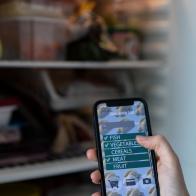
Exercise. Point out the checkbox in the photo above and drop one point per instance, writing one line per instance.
(106, 145)
(105, 138)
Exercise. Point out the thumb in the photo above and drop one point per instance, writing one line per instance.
(157, 143)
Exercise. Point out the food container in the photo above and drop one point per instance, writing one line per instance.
(76, 93)
(7, 107)
(33, 38)
(30, 8)
(5, 114)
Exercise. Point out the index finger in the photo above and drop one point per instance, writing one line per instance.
(160, 145)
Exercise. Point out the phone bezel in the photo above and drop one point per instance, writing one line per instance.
(120, 102)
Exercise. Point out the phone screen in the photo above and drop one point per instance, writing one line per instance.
(128, 167)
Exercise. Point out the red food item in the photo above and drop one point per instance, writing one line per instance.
(9, 101)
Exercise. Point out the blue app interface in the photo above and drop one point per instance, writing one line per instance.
(127, 165)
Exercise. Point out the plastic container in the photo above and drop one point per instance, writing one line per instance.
(30, 8)
(78, 94)
(33, 38)
(5, 114)
(7, 107)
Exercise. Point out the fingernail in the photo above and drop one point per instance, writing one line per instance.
(141, 138)
(91, 176)
(86, 152)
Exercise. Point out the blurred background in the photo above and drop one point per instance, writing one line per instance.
(57, 57)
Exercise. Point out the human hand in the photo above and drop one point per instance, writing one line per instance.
(170, 176)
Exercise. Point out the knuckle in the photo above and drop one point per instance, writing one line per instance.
(161, 138)
(176, 158)
(92, 173)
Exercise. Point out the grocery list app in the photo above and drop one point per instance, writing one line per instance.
(127, 165)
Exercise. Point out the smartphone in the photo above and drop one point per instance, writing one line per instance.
(127, 169)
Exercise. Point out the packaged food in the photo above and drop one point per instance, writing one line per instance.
(33, 38)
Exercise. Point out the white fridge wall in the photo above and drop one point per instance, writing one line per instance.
(182, 130)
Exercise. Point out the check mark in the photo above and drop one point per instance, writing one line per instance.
(106, 145)
(107, 160)
(105, 138)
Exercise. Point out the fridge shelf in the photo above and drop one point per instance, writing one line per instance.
(46, 169)
(83, 65)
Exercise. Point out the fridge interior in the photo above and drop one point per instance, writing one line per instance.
(57, 58)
